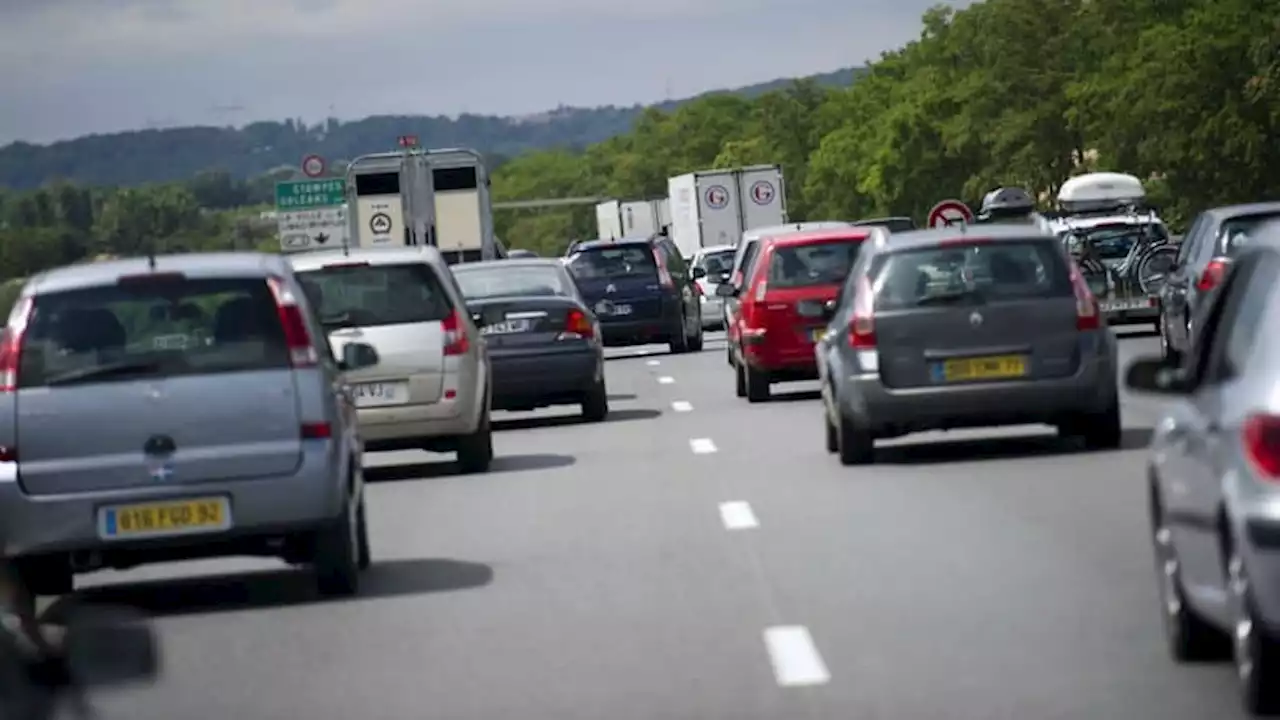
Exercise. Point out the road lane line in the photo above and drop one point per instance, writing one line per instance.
(795, 658)
(737, 515)
(702, 446)
(666, 380)
(681, 406)
(653, 363)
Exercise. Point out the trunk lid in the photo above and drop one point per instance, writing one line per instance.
(619, 281)
(516, 324)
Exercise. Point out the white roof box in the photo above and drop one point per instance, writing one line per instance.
(1100, 191)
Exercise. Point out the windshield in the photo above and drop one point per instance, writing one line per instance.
(823, 263)
(1237, 231)
(373, 295)
(970, 274)
(1113, 242)
(613, 262)
(511, 280)
(152, 330)
(717, 263)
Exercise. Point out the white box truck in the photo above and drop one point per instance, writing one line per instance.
(631, 218)
(714, 207)
(609, 220)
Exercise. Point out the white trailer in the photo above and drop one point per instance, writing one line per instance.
(609, 220)
(715, 207)
(631, 218)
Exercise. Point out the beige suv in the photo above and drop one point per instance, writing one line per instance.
(430, 390)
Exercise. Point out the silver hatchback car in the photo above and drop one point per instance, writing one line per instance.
(175, 408)
(431, 388)
(1213, 475)
(953, 328)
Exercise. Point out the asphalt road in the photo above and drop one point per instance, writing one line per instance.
(696, 557)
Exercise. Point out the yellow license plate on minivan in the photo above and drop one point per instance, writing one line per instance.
(177, 517)
(984, 368)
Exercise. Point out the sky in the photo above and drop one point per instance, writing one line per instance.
(75, 67)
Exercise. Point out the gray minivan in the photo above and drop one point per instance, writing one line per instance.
(173, 408)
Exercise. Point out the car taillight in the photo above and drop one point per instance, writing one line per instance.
(455, 335)
(664, 276)
(862, 329)
(316, 431)
(11, 344)
(577, 325)
(1261, 435)
(1212, 275)
(302, 352)
(1087, 315)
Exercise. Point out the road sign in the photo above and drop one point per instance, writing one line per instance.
(949, 212)
(309, 194)
(717, 197)
(313, 229)
(762, 192)
(313, 166)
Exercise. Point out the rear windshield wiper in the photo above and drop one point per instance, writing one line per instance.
(951, 296)
(101, 372)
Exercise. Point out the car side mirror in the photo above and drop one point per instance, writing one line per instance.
(699, 273)
(725, 290)
(720, 278)
(1155, 375)
(357, 356)
(109, 646)
(829, 309)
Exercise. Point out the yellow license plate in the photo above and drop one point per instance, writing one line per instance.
(177, 517)
(819, 333)
(984, 368)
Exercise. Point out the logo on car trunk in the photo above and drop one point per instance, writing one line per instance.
(975, 320)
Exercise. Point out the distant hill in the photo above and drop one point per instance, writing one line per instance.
(143, 156)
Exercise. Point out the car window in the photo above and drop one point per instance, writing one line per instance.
(673, 260)
(1239, 322)
(823, 263)
(1191, 238)
(719, 262)
(362, 295)
(152, 330)
(748, 259)
(1235, 233)
(511, 281)
(970, 274)
(613, 262)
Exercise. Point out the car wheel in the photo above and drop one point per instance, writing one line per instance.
(1255, 651)
(855, 446)
(833, 434)
(1102, 431)
(757, 385)
(740, 381)
(337, 555)
(45, 576)
(728, 354)
(475, 451)
(364, 554)
(695, 343)
(1187, 635)
(595, 404)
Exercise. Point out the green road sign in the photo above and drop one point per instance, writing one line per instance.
(308, 194)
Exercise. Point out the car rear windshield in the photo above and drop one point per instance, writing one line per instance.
(718, 263)
(511, 281)
(970, 274)
(150, 330)
(1113, 242)
(1237, 231)
(613, 262)
(373, 295)
(824, 263)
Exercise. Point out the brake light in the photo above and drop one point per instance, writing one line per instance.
(1087, 315)
(1261, 436)
(862, 329)
(455, 335)
(11, 344)
(302, 351)
(664, 276)
(578, 325)
(8, 454)
(1212, 275)
(317, 431)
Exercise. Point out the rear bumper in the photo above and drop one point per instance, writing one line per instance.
(391, 427)
(639, 332)
(892, 411)
(530, 380)
(712, 312)
(69, 522)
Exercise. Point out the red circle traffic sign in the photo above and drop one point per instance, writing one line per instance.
(949, 212)
(313, 166)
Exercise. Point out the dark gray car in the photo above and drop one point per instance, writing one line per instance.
(954, 328)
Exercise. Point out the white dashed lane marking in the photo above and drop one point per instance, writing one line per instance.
(737, 515)
(666, 380)
(681, 406)
(653, 363)
(702, 446)
(795, 658)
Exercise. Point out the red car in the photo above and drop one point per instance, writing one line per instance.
(781, 306)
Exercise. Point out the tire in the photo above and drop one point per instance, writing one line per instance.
(1102, 431)
(1171, 356)
(1143, 273)
(740, 381)
(595, 404)
(695, 344)
(337, 555)
(1187, 635)
(679, 343)
(757, 385)
(45, 576)
(1255, 653)
(475, 451)
(364, 556)
(728, 354)
(854, 446)
(833, 434)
